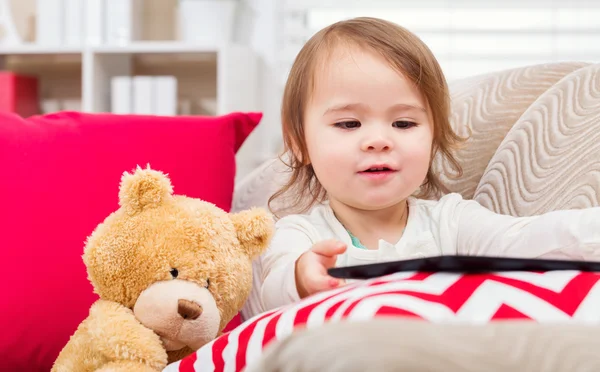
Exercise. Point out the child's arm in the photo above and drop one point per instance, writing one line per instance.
(292, 238)
(564, 234)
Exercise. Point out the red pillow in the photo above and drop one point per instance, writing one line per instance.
(59, 178)
(556, 296)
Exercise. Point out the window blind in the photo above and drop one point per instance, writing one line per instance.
(468, 37)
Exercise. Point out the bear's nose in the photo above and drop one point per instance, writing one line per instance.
(189, 310)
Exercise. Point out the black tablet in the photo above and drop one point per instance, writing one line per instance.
(460, 264)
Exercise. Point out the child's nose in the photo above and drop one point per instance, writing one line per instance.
(377, 143)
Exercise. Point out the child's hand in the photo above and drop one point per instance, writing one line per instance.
(312, 265)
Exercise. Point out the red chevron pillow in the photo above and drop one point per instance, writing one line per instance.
(555, 296)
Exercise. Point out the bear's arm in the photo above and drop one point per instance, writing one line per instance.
(120, 336)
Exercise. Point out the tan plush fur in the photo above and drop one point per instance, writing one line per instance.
(156, 263)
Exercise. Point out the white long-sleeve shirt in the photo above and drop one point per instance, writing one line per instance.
(450, 225)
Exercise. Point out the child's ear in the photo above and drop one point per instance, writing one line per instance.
(254, 228)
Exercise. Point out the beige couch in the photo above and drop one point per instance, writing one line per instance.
(394, 345)
(534, 147)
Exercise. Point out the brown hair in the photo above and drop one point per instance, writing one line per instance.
(406, 53)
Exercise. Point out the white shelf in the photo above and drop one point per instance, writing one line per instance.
(138, 47)
(34, 49)
(135, 48)
(211, 68)
(155, 47)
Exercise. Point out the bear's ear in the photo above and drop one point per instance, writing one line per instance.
(254, 228)
(144, 188)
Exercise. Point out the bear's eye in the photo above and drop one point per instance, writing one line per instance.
(174, 273)
(207, 283)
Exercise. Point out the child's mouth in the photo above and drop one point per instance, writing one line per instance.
(377, 169)
(379, 172)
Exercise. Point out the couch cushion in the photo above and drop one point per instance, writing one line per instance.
(550, 159)
(59, 178)
(443, 298)
(488, 106)
(510, 345)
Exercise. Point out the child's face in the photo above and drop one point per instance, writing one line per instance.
(364, 114)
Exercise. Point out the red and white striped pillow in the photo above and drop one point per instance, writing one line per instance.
(555, 296)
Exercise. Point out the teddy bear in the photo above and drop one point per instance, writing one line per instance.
(170, 271)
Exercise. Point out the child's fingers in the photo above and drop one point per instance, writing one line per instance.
(325, 282)
(318, 280)
(329, 259)
(335, 282)
(312, 267)
(329, 248)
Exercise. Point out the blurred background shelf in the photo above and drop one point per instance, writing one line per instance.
(209, 81)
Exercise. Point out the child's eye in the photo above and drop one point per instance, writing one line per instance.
(348, 124)
(404, 124)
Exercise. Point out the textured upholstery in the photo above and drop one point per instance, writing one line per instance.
(489, 106)
(550, 159)
(534, 142)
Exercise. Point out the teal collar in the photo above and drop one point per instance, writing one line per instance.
(355, 241)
